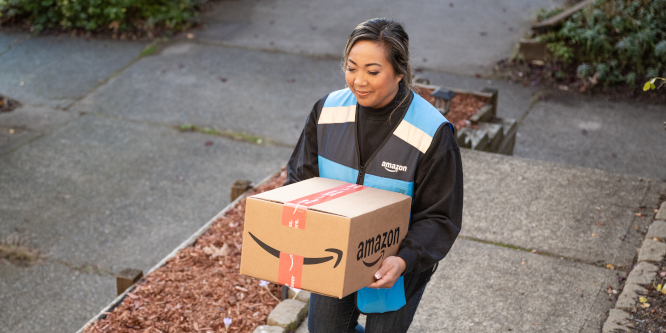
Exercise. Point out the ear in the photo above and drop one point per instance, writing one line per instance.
(398, 78)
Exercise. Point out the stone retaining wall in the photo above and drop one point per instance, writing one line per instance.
(494, 134)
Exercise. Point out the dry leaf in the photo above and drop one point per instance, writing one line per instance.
(610, 266)
(215, 252)
(645, 305)
(114, 25)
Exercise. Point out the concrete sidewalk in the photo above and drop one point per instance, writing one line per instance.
(108, 182)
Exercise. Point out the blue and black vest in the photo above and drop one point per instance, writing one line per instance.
(392, 167)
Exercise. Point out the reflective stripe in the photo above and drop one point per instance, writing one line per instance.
(342, 97)
(389, 184)
(332, 170)
(424, 116)
(413, 135)
(337, 115)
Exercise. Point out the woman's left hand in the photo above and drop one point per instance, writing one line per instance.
(391, 269)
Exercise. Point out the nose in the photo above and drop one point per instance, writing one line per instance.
(360, 80)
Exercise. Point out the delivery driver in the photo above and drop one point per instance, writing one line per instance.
(379, 133)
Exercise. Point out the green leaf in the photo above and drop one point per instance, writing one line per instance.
(652, 86)
(646, 87)
(642, 299)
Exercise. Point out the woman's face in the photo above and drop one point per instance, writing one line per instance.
(370, 76)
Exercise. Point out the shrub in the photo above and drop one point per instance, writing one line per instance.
(614, 41)
(93, 15)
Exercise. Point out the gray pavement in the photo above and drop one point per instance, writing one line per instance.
(56, 71)
(100, 180)
(222, 88)
(626, 137)
(574, 212)
(486, 288)
(457, 36)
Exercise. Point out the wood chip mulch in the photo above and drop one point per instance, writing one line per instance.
(463, 107)
(198, 288)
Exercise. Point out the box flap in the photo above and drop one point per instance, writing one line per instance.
(298, 190)
(349, 205)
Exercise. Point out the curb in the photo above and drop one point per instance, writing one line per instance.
(619, 318)
(289, 315)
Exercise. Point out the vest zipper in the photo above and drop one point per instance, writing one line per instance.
(361, 175)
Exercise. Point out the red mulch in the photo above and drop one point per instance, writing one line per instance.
(195, 291)
(463, 107)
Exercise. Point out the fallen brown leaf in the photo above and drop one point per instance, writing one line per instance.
(215, 252)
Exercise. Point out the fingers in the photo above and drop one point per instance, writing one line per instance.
(386, 281)
(379, 274)
(386, 276)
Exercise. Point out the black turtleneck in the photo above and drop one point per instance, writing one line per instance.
(374, 125)
(438, 184)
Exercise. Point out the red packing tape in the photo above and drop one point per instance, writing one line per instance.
(294, 211)
(291, 270)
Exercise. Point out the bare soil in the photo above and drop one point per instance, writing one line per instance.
(563, 77)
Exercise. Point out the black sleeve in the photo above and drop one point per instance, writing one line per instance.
(437, 205)
(303, 162)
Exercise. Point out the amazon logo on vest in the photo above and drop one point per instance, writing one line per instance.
(390, 167)
(375, 244)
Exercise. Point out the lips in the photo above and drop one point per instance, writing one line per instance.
(362, 93)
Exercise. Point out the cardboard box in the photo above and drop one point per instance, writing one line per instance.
(322, 235)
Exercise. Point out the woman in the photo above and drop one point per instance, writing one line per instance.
(379, 133)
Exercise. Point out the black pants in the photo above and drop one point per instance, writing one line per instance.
(334, 315)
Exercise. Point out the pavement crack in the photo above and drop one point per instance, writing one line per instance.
(536, 98)
(589, 309)
(84, 268)
(149, 50)
(231, 135)
(316, 56)
(237, 136)
(599, 263)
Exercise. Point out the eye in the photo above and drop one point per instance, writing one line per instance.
(373, 73)
(350, 69)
